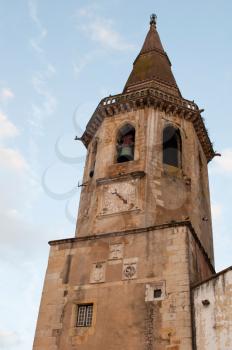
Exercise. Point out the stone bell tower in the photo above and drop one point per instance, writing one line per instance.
(144, 233)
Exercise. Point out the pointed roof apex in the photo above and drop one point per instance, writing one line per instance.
(153, 19)
(152, 66)
(152, 41)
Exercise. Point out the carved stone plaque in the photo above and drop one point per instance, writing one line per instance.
(119, 197)
(129, 270)
(98, 272)
(116, 251)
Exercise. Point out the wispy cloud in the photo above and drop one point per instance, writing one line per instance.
(101, 30)
(6, 94)
(79, 66)
(216, 209)
(222, 235)
(15, 172)
(12, 159)
(36, 42)
(223, 164)
(7, 128)
(48, 104)
(41, 78)
(9, 339)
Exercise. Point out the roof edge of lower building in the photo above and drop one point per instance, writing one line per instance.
(216, 275)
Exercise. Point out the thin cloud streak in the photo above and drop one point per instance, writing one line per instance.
(216, 209)
(49, 103)
(79, 66)
(33, 12)
(7, 128)
(9, 339)
(41, 78)
(12, 159)
(101, 31)
(6, 94)
(224, 163)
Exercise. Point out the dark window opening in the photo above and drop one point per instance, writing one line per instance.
(93, 158)
(126, 144)
(172, 147)
(91, 173)
(157, 293)
(84, 315)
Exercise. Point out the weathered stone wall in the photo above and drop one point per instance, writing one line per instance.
(213, 312)
(163, 195)
(126, 316)
(50, 319)
(200, 267)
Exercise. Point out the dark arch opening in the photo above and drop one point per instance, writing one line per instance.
(126, 144)
(172, 146)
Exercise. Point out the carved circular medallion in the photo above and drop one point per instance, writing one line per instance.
(129, 271)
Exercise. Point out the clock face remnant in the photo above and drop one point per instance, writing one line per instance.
(119, 197)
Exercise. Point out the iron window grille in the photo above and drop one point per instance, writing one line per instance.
(84, 315)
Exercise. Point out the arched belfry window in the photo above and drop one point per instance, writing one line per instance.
(172, 146)
(125, 144)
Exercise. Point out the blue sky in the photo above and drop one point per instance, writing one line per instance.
(58, 59)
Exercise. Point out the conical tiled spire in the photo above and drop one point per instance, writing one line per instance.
(152, 67)
(152, 41)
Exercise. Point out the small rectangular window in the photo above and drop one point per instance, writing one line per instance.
(84, 315)
(157, 293)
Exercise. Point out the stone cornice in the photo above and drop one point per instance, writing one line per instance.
(149, 97)
(154, 83)
(186, 223)
(122, 177)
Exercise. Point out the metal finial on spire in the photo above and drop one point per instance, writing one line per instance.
(153, 19)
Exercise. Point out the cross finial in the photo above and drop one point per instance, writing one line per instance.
(153, 19)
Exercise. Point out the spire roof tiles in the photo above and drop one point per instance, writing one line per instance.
(152, 66)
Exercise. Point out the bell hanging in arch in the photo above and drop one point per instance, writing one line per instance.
(125, 153)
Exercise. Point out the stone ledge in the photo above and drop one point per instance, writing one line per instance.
(173, 224)
(121, 177)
